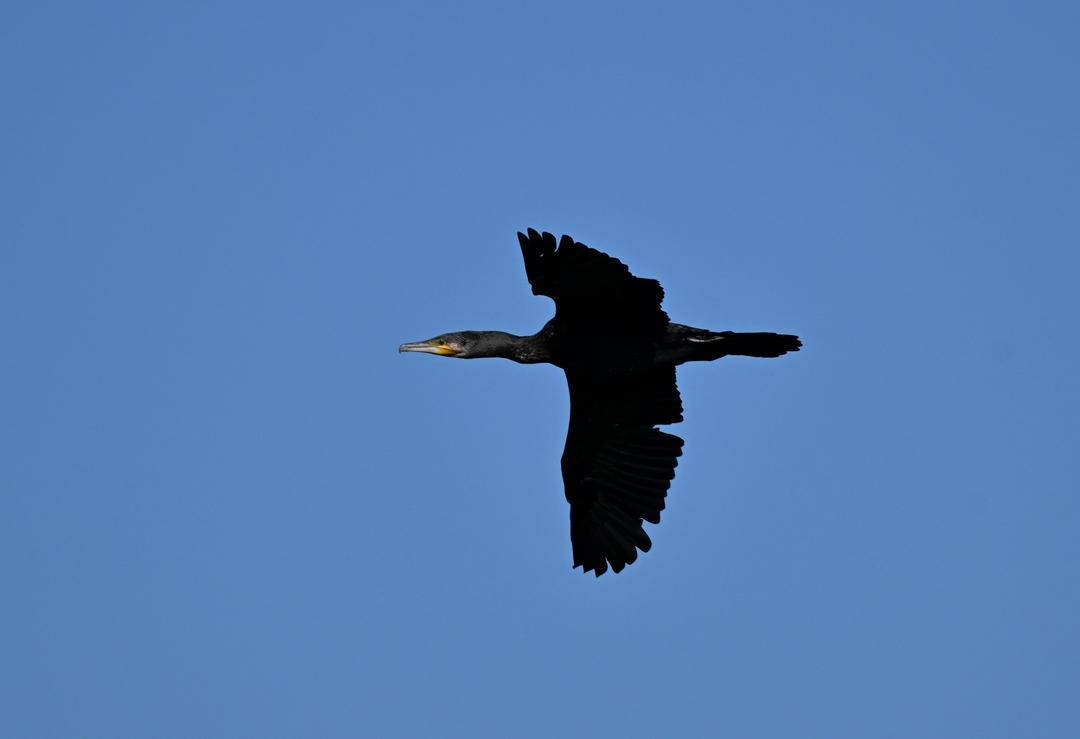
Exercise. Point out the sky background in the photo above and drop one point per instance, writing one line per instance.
(230, 508)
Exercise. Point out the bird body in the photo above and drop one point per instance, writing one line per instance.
(619, 351)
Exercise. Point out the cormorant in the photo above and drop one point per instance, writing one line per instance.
(619, 351)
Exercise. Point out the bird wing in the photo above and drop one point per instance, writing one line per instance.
(616, 465)
(595, 296)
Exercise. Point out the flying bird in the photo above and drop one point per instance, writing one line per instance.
(619, 351)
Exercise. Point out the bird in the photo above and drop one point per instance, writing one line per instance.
(619, 351)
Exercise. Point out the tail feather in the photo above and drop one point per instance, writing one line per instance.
(761, 344)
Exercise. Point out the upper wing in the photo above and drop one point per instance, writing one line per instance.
(593, 292)
(616, 466)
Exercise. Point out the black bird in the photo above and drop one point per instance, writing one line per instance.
(619, 351)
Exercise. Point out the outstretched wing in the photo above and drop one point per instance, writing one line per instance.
(617, 466)
(599, 305)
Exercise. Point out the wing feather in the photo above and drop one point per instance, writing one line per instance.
(595, 294)
(617, 467)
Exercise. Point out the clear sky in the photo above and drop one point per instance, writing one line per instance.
(231, 509)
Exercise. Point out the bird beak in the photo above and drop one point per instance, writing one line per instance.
(431, 346)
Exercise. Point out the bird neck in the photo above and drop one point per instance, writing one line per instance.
(521, 349)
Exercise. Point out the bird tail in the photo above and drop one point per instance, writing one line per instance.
(762, 344)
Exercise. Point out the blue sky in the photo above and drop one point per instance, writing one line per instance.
(231, 508)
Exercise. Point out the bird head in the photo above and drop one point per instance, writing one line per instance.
(456, 344)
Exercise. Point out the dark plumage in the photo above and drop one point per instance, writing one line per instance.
(619, 351)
